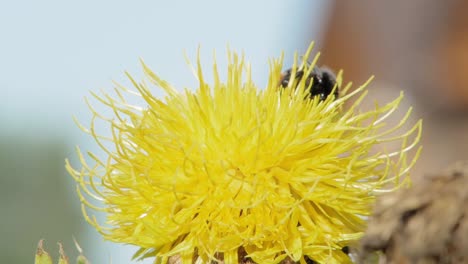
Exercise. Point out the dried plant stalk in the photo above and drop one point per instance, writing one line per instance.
(427, 223)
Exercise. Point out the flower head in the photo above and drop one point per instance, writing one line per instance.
(230, 167)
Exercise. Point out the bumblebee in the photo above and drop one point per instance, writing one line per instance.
(323, 81)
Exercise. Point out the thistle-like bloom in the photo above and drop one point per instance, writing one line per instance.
(230, 168)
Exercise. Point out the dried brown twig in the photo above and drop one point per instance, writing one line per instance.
(427, 223)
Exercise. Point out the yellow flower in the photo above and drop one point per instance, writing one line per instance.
(232, 167)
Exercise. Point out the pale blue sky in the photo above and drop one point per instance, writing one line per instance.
(53, 52)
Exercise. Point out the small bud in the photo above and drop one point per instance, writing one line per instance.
(63, 258)
(42, 257)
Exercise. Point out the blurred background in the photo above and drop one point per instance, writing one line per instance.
(52, 53)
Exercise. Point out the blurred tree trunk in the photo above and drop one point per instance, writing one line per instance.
(420, 47)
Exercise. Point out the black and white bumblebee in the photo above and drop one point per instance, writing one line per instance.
(323, 81)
